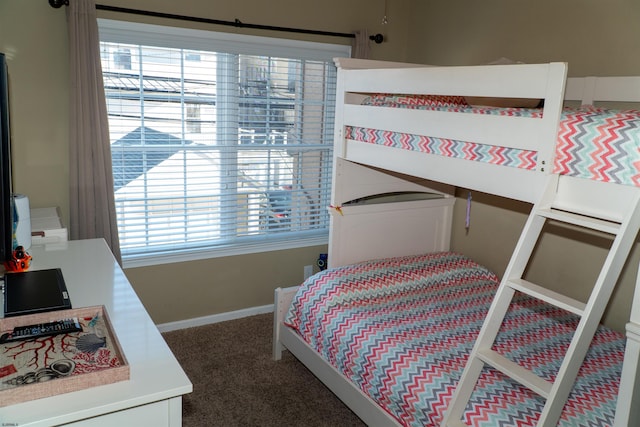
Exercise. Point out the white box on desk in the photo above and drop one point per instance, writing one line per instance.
(46, 227)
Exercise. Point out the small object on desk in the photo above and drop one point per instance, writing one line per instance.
(20, 260)
(28, 332)
(90, 343)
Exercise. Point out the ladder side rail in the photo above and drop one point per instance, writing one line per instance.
(502, 300)
(595, 307)
(628, 405)
(474, 365)
(490, 328)
(530, 232)
(499, 307)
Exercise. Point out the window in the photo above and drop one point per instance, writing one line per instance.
(122, 59)
(220, 144)
(193, 118)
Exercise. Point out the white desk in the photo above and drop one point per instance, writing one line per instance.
(153, 394)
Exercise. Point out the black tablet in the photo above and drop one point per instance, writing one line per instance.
(36, 291)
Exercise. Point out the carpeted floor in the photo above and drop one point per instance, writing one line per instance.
(237, 383)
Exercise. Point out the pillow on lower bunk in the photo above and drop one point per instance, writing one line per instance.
(446, 101)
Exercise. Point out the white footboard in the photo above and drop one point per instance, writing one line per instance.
(283, 337)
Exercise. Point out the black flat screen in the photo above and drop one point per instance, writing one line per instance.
(35, 292)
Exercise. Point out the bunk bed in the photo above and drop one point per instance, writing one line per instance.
(406, 136)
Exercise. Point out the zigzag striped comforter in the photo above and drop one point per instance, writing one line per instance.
(593, 143)
(401, 329)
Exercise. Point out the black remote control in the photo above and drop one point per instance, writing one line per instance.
(28, 332)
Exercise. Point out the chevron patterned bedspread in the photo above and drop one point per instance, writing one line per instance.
(593, 143)
(401, 329)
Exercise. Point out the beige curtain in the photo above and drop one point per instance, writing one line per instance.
(361, 47)
(92, 208)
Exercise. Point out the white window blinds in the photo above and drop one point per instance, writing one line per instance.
(224, 148)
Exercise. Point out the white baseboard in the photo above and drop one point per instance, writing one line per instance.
(214, 318)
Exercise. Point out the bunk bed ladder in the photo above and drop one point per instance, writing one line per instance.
(555, 393)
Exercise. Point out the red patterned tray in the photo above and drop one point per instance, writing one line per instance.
(52, 365)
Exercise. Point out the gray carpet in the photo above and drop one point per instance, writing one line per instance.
(236, 382)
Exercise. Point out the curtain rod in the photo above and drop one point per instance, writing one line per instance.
(378, 38)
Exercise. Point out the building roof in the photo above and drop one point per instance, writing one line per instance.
(128, 165)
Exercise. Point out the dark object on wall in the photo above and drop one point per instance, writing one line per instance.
(58, 3)
(322, 261)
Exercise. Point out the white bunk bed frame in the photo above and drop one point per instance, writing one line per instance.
(363, 169)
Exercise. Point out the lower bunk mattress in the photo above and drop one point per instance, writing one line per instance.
(401, 330)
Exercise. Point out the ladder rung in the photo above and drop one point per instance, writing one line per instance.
(547, 295)
(516, 372)
(457, 423)
(581, 220)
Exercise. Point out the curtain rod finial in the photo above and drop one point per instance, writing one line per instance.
(58, 3)
(378, 38)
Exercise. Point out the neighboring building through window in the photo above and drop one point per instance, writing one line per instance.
(221, 150)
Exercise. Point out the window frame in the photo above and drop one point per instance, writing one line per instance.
(190, 39)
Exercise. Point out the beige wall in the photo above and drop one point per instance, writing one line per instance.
(34, 36)
(39, 85)
(596, 37)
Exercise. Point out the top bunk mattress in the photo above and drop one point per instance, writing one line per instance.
(401, 330)
(592, 143)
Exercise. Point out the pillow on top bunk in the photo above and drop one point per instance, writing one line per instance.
(414, 101)
(503, 102)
